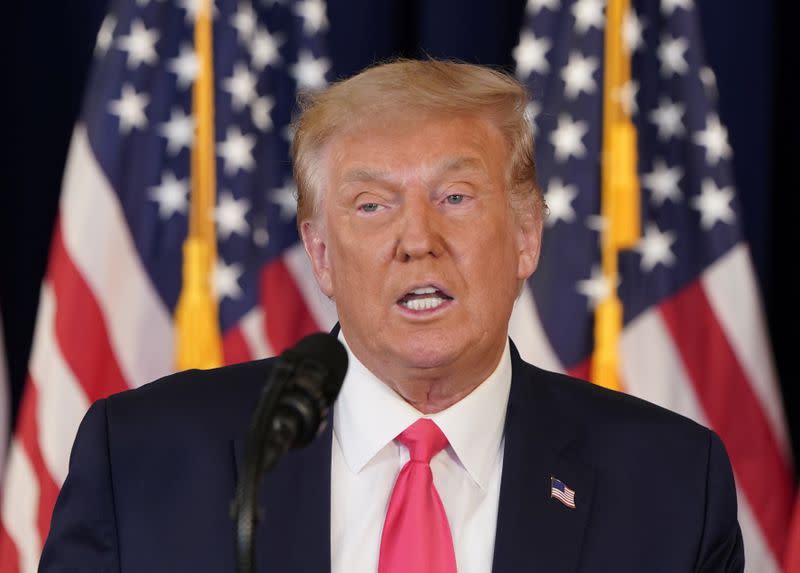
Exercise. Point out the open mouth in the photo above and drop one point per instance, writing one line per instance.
(424, 298)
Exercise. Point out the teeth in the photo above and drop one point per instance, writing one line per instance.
(423, 303)
(424, 290)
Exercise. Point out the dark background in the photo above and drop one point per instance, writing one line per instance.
(748, 44)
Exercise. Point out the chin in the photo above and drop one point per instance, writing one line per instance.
(429, 350)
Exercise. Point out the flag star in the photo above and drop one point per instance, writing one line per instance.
(536, 6)
(105, 36)
(656, 247)
(588, 14)
(244, 21)
(596, 288)
(261, 236)
(577, 75)
(567, 138)
(264, 48)
(313, 14)
(714, 204)
(709, 80)
(192, 8)
(226, 280)
(260, 112)
(671, 52)
(288, 133)
(241, 85)
(532, 111)
(626, 96)
(179, 131)
(140, 45)
(186, 66)
(309, 72)
(130, 109)
(669, 6)
(715, 139)
(668, 118)
(632, 28)
(558, 199)
(171, 195)
(231, 216)
(530, 54)
(663, 183)
(237, 151)
(286, 199)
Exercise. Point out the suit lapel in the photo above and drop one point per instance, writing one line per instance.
(534, 531)
(294, 532)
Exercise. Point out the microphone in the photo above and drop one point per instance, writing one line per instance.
(292, 411)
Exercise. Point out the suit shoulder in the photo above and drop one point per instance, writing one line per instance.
(222, 398)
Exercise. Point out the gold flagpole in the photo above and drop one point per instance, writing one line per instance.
(199, 342)
(619, 196)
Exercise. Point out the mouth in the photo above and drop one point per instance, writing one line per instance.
(424, 298)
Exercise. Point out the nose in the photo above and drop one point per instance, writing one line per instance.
(419, 233)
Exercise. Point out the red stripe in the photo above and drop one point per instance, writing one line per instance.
(287, 316)
(9, 562)
(28, 436)
(234, 346)
(582, 370)
(733, 411)
(80, 327)
(792, 558)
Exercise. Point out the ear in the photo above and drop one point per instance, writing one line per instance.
(529, 243)
(315, 243)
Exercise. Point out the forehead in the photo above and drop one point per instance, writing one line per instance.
(416, 146)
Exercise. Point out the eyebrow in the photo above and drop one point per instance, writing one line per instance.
(459, 163)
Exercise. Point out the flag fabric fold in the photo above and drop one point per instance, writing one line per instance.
(106, 314)
(694, 337)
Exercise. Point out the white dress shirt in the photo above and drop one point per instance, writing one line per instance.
(366, 460)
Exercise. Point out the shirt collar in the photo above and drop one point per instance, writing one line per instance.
(368, 415)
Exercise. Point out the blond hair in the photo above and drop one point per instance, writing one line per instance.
(432, 86)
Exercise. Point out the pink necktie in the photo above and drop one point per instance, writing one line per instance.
(416, 536)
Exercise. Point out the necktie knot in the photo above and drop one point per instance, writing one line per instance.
(423, 439)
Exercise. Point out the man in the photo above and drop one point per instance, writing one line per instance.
(419, 210)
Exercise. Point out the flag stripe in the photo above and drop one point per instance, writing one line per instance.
(234, 347)
(98, 241)
(8, 551)
(19, 511)
(732, 409)
(287, 315)
(758, 554)
(61, 401)
(29, 440)
(527, 332)
(97, 372)
(254, 332)
(740, 314)
(299, 265)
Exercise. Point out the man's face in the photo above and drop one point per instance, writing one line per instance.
(418, 246)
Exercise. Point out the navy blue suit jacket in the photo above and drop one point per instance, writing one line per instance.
(153, 472)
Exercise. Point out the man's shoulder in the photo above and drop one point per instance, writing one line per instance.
(609, 416)
(221, 399)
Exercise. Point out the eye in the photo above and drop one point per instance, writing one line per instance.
(368, 207)
(455, 199)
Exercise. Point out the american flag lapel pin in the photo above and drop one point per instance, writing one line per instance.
(560, 491)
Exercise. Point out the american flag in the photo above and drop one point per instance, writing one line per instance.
(105, 319)
(560, 491)
(694, 338)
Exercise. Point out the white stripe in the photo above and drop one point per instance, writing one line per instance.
(98, 242)
(733, 294)
(757, 555)
(526, 330)
(653, 370)
(20, 508)
(321, 308)
(253, 330)
(61, 401)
